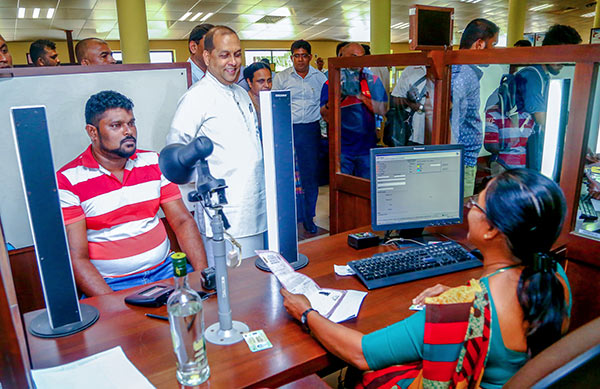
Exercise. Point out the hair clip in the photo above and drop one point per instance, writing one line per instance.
(542, 262)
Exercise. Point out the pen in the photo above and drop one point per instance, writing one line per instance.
(157, 316)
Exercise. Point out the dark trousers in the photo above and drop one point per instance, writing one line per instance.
(306, 143)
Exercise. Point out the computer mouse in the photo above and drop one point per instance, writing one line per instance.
(477, 254)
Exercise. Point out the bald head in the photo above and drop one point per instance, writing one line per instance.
(93, 51)
(352, 50)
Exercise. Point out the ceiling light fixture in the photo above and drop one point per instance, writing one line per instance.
(50, 13)
(208, 15)
(470, 1)
(196, 16)
(321, 21)
(36, 13)
(185, 16)
(21, 13)
(589, 15)
(540, 7)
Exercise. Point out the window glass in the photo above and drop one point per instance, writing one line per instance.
(588, 211)
(509, 117)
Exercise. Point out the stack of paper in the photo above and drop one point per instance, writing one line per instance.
(336, 305)
(108, 369)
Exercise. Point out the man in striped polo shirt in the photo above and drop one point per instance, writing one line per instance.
(110, 196)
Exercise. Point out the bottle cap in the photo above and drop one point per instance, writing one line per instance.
(179, 264)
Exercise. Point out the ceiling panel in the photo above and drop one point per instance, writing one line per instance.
(348, 19)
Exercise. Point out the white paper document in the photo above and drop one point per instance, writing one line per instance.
(108, 369)
(343, 270)
(336, 305)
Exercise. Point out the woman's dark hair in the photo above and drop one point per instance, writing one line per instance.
(253, 68)
(529, 208)
(477, 29)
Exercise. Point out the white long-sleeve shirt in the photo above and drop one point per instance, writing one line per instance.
(306, 93)
(224, 113)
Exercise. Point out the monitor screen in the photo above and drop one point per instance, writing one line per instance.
(416, 186)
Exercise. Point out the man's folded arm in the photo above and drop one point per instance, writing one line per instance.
(87, 277)
(186, 231)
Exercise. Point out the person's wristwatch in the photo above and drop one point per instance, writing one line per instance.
(304, 319)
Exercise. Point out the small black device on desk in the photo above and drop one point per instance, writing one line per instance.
(396, 267)
(156, 296)
(361, 240)
(153, 296)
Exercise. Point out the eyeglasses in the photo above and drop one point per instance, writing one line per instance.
(472, 202)
(298, 56)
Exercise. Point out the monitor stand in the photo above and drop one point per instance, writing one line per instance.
(412, 236)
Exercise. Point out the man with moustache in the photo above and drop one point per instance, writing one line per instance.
(43, 53)
(196, 48)
(305, 83)
(532, 91)
(218, 108)
(93, 51)
(110, 197)
(5, 57)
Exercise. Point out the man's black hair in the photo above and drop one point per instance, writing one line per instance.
(338, 48)
(209, 38)
(477, 29)
(101, 102)
(559, 34)
(523, 43)
(266, 60)
(38, 48)
(301, 44)
(199, 31)
(253, 68)
(367, 49)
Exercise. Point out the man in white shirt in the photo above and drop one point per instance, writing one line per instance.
(305, 83)
(413, 80)
(196, 47)
(220, 109)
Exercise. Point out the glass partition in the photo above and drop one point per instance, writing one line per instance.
(588, 210)
(381, 107)
(513, 115)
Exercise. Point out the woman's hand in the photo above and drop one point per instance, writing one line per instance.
(295, 304)
(430, 292)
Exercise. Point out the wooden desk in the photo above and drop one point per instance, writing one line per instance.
(255, 300)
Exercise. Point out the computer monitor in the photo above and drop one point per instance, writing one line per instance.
(413, 187)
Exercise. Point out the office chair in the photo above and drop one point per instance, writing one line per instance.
(572, 362)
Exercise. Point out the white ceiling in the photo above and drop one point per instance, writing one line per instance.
(347, 19)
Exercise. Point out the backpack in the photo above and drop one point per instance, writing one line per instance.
(505, 96)
(398, 123)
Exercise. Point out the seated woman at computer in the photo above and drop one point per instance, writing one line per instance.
(518, 307)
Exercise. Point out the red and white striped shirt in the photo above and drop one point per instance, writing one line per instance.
(125, 234)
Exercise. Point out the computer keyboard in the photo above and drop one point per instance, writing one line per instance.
(396, 267)
(586, 208)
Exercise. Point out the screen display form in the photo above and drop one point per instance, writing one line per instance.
(416, 186)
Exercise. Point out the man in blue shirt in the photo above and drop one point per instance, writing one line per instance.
(465, 120)
(196, 47)
(363, 96)
(532, 91)
(305, 83)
